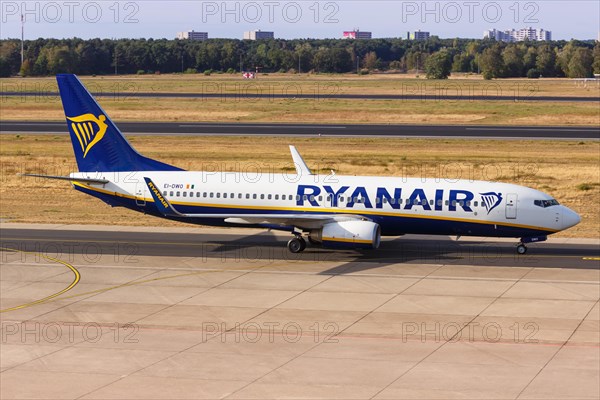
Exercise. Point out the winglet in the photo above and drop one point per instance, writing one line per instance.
(162, 204)
(301, 167)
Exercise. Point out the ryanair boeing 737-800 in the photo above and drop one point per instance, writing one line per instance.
(333, 211)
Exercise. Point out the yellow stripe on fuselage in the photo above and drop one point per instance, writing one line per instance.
(343, 240)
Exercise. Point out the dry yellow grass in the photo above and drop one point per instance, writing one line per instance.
(317, 111)
(559, 168)
(399, 84)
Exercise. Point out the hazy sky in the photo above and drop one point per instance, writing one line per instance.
(295, 19)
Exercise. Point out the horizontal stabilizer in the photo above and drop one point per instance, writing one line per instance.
(68, 178)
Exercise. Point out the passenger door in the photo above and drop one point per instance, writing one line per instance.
(511, 206)
(140, 194)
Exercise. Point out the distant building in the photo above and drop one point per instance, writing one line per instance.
(356, 34)
(418, 35)
(500, 36)
(518, 35)
(258, 35)
(192, 35)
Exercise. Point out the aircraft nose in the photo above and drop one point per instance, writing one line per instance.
(569, 218)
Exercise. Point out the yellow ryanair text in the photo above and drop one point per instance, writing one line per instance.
(158, 194)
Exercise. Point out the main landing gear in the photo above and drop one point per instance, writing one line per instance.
(521, 248)
(297, 244)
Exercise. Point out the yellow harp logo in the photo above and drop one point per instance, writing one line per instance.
(89, 130)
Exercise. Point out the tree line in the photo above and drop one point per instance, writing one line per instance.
(436, 57)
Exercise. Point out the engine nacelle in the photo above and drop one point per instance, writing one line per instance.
(348, 234)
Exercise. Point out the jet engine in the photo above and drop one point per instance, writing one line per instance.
(348, 234)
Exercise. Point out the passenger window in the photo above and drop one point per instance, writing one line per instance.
(476, 204)
(269, 197)
(276, 197)
(184, 194)
(430, 202)
(232, 196)
(447, 202)
(262, 196)
(248, 196)
(312, 198)
(239, 196)
(377, 200)
(165, 193)
(218, 195)
(204, 194)
(197, 194)
(171, 193)
(224, 195)
(212, 195)
(254, 196)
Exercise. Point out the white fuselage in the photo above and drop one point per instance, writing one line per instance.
(398, 205)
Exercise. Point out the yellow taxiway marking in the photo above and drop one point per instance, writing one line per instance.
(591, 258)
(98, 291)
(76, 280)
(135, 283)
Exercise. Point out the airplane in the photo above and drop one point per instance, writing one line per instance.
(332, 211)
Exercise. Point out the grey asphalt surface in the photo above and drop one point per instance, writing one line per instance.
(266, 246)
(265, 129)
(259, 93)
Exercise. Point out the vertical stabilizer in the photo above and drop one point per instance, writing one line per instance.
(97, 142)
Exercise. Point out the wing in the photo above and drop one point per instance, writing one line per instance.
(306, 221)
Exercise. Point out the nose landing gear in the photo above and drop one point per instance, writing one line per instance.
(521, 248)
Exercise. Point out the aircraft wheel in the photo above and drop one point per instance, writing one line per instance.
(296, 245)
(303, 243)
(521, 249)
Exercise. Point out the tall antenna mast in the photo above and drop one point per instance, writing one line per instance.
(22, 39)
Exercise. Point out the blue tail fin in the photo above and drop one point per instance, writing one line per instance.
(98, 144)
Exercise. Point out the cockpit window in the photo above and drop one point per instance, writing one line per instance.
(546, 203)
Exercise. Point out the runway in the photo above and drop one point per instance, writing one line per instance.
(271, 246)
(202, 313)
(262, 129)
(267, 92)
